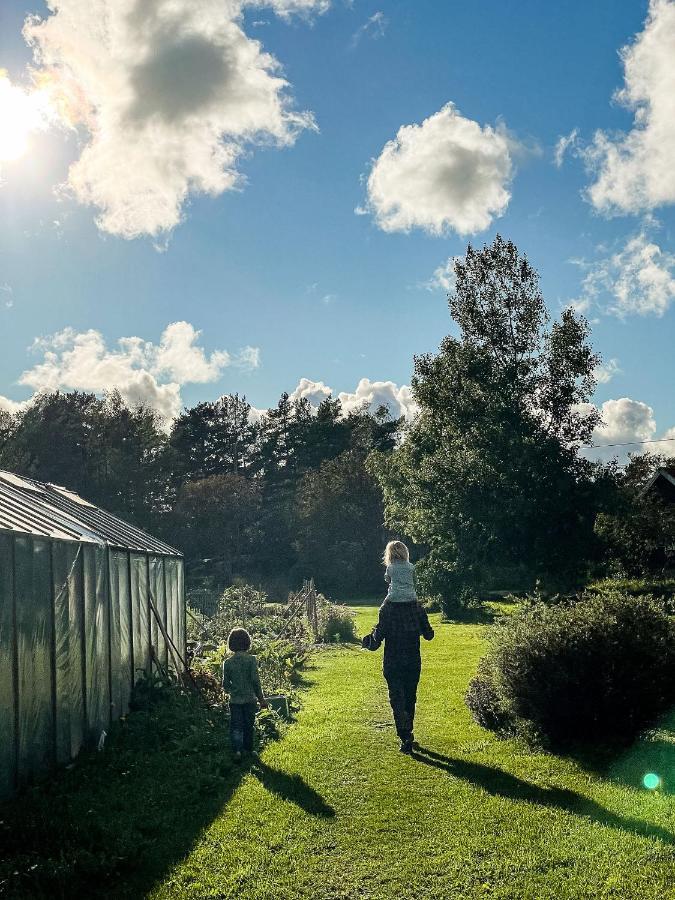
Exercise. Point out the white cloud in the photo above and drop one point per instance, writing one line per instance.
(287, 8)
(143, 372)
(369, 394)
(606, 371)
(444, 276)
(564, 143)
(374, 394)
(635, 170)
(167, 95)
(314, 391)
(374, 27)
(10, 406)
(447, 174)
(638, 279)
(630, 423)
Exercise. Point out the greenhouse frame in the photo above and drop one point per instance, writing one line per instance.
(88, 604)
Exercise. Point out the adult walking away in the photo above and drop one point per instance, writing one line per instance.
(401, 623)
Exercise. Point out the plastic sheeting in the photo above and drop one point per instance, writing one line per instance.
(75, 634)
(34, 623)
(68, 643)
(7, 661)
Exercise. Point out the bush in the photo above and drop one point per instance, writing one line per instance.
(598, 669)
(337, 624)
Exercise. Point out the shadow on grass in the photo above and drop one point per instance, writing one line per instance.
(117, 821)
(502, 784)
(292, 788)
(479, 615)
(653, 752)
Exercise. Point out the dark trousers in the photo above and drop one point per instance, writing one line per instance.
(242, 720)
(402, 684)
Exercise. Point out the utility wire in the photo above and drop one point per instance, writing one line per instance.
(627, 443)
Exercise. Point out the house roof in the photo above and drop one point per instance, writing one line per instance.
(665, 472)
(48, 510)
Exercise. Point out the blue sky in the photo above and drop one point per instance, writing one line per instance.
(284, 264)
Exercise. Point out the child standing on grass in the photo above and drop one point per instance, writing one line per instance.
(242, 682)
(401, 623)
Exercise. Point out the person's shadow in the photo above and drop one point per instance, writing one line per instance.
(293, 788)
(502, 784)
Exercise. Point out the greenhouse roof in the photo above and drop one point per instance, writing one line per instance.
(48, 510)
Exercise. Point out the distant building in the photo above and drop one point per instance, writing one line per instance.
(662, 485)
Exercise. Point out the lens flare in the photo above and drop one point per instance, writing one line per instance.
(651, 781)
(22, 113)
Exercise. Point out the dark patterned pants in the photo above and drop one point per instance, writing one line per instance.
(402, 684)
(242, 720)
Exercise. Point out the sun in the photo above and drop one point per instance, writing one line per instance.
(22, 113)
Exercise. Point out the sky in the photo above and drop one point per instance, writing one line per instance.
(200, 197)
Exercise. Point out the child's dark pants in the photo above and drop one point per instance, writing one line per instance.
(242, 720)
(402, 682)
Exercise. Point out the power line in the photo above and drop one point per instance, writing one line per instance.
(627, 443)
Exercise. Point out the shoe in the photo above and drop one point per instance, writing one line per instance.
(406, 746)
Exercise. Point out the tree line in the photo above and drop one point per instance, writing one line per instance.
(270, 501)
(487, 483)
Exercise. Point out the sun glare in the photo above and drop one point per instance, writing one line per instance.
(22, 113)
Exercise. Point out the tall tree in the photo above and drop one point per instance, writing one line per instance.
(488, 476)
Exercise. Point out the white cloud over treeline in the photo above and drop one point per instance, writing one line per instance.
(447, 174)
(143, 372)
(167, 95)
(630, 423)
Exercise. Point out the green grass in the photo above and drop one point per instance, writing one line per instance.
(333, 810)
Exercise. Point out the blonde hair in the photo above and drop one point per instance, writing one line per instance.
(395, 550)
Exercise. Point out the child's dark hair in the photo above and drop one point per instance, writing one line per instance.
(239, 639)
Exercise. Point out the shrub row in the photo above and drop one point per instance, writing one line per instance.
(598, 669)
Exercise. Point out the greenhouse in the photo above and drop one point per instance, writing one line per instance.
(88, 603)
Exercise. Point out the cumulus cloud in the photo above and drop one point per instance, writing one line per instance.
(368, 394)
(638, 279)
(374, 394)
(144, 373)
(167, 95)
(635, 169)
(314, 391)
(630, 423)
(447, 174)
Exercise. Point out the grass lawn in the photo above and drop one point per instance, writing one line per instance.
(335, 811)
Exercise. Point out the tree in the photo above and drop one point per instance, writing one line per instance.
(340, 534)
(488, 477)
(213, 438)
(638, 530)
(215, 523)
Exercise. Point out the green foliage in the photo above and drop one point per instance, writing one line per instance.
(596, 670)
(637, 529)
(488, 479)
(339, 516)
(338, 624)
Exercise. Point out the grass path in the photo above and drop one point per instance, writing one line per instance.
(335, 811)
